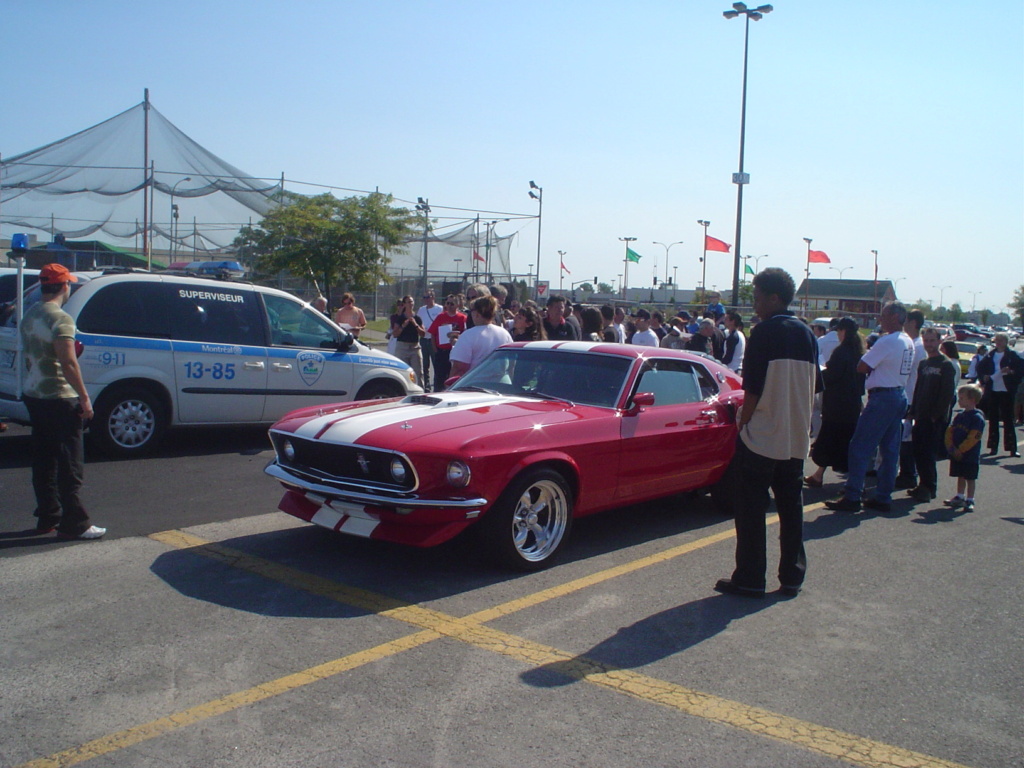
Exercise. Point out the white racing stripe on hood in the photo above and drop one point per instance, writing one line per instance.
(350, 426)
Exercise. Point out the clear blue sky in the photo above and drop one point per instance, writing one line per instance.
(896, 126)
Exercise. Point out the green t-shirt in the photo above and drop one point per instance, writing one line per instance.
(40, 327)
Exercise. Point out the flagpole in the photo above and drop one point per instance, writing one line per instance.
(704, 258)
(625, 271)
(875, 302)
(807, 276)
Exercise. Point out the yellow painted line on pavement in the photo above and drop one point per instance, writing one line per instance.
(470, 630)
(150, 730)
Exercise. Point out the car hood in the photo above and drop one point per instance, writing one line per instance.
(444, 421)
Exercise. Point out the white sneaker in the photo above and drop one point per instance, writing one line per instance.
(92, 532)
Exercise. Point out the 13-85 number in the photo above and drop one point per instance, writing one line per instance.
(197, 370)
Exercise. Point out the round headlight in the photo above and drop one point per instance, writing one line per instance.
(288, 450)
(398, 470)
(458, 474)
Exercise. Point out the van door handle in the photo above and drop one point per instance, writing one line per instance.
(258, 366)
(282, 367)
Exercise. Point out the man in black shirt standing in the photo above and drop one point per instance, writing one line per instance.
(554, 321)
(931, 409)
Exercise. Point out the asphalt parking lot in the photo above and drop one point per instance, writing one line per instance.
(210, 630)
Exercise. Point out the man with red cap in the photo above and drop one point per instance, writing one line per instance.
(57, 403)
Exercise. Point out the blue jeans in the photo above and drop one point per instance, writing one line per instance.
(880, 426)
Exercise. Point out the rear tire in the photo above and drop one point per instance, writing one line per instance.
(527, 526)
(129, 421)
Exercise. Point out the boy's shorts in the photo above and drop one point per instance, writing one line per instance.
(968, 470)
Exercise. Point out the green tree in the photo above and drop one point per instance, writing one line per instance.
(604, 288)
(984, 314)
(1017, 306)
(956, 313)
(331, 240)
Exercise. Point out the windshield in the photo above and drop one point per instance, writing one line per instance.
(577, 377)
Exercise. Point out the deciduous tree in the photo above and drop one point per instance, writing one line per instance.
(331, 240)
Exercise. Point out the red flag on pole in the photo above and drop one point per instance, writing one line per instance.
(714, 244)
(478, 257)
(818, 257)
(564, 268)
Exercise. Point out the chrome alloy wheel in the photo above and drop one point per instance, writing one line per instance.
(540, 520)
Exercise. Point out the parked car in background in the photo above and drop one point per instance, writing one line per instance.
(161, 351)
(536, 435)
(9, 282)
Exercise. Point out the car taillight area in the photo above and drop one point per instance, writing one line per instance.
(79, 348)
(349, 464)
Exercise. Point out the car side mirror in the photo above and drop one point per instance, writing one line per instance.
(640, 401)
(342, 342)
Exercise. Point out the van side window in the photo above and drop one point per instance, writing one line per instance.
(215, 313)
(293, 324)
(127, 309)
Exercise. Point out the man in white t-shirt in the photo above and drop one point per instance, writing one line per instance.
(887, 364)
(907, 477)
(827, 344)
(428, 314)
(476, 343)
(644, 336)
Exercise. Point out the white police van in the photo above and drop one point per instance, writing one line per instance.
(160, 351)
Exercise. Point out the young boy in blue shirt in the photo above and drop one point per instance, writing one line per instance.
(963, 444)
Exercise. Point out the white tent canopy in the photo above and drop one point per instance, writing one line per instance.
(126, 176)
(95, 181)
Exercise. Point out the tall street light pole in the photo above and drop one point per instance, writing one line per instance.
(627, 241)
(942, 290)
(423, 206)
(667, 249)
(741, 178)
(539, 197)
(974, 299)
(561, 269)
(840, 270)
(174, 216)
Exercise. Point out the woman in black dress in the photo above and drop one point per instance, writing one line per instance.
(840, 404)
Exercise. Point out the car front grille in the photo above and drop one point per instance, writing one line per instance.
(347, 464)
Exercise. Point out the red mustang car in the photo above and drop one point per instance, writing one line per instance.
(537, 434)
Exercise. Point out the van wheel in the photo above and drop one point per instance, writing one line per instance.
(380, 389)
(128, 422)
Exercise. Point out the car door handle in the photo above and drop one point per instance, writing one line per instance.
(282, 366)
(258, 366)
(708, 417)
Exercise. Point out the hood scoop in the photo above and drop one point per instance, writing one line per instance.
(423, 400)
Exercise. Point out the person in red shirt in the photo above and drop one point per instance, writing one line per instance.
(444, 331)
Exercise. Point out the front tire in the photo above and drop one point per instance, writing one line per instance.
(380, 389)
(531, 520)
(129, 421)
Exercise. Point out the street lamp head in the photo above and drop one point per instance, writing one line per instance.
(764, 9)
(730, 14)
(740, 7)
(807, 240)
(533, 195)
(533, 185)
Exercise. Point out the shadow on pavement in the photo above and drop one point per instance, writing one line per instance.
(406, 574)
(651, 639)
